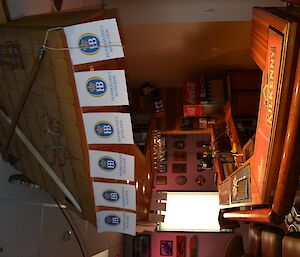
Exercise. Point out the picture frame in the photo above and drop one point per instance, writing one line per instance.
(179, 144)
(161, 180)
(200, 180)
(166, 248)
(181, 246)
(179, 156)
(142, 246)
(163, 168)
(181, 180)
(179, 168)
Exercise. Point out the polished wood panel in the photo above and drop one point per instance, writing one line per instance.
(290, 163)
(263, 215)
(255, 195)
(186, 132)
(234, 136)
(261, 21)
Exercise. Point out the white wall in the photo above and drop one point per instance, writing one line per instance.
(153, 11)
(31, 225)
(184, 11)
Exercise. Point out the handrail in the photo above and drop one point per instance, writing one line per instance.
(289, 170)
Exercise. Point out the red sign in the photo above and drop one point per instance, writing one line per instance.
(267, 108)
(192, 110)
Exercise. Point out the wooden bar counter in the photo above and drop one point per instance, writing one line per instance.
(263, 189)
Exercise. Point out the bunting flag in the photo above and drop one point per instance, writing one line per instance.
(111, 165)
(116, 221)
(101, 88)
(108, 128)
(115, 195)
(94, 41)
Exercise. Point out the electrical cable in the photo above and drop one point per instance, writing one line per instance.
(72, 228)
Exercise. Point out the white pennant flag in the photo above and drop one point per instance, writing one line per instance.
(111, 165)
(115, 195)
(101, 88)
(108, 128)
(116, 221)
(94, 41)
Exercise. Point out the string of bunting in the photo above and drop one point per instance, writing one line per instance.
(93, 42)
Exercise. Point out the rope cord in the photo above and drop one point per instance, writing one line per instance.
(71, 47)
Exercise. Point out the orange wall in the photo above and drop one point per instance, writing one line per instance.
(167, 54)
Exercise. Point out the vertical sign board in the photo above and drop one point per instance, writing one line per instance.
(269, 96)
(108, 128)
(101, 88)
(116, 221)
(111, 165)
(94, 41)
(115, 195)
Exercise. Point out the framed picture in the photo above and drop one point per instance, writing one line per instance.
(181, 246)
(179, 144)
(179, 168)
(181, 180)
(166, 248)
(200, 180)
(161, 180)
(179, 156)
(194, 245)
(142, 246)
(163, 168)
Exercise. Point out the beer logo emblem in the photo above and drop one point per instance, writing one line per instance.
(104, 129)
(112, 220)
(96, 87)
(107, 163)
(89, 44)
(111, 195)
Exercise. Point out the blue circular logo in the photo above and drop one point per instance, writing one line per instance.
(96, 87)
(104, 129)
(111, 196)
(107, 163)
(89, 43)
(112, 220)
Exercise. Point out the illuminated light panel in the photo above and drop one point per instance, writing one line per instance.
(105, 253)
(191, 212)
